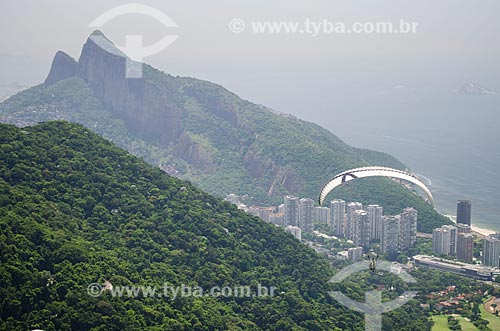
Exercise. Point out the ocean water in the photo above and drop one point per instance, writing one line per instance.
(453, 140)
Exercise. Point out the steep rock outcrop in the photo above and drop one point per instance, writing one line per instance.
(190, 151)
(63, 66)
(278, 176)
(255, 164)
(142, 105)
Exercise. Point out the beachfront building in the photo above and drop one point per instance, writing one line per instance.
(464, 209)
(491, 250)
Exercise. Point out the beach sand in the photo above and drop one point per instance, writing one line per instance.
(482, 231)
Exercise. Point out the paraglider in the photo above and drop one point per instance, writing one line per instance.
(372, 262)
(352, 174)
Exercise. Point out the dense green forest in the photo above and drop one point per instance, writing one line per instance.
(76, 210)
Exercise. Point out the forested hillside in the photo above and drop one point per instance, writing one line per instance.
(76, 210)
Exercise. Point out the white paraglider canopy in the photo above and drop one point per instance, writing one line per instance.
(373, 172)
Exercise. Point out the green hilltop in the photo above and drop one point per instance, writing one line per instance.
(76, 210)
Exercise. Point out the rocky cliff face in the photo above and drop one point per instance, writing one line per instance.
(151, 111)
(280, 176)
(142, 105)
(63, 66)
(190, 151)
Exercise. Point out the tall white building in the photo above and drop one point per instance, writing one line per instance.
(442, 240)
(337, 216)
(350, 209)
(408, 235)
(465, 247)
(295, 231)
(360, 228)
(322, 215)
(453, 238)
(306, 214)
(292, 210)
(375, 213)
(391, 229)
(491, 250)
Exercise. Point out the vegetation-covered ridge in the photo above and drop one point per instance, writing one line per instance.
(75, 210)
(199, 131)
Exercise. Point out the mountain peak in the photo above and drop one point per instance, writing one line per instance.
(97, 52)
(142, 104)
(97, 33)
(63, 66)
(99, 39)
(474, 88)
(101, 59)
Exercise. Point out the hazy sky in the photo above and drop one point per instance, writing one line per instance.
(456, 41)
(318, 78)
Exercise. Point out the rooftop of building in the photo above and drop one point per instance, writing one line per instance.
(454, 264)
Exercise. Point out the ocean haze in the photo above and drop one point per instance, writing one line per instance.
(453, 142)
(393, 93)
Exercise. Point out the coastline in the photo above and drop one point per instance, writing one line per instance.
(478, 230)
(481, 231)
